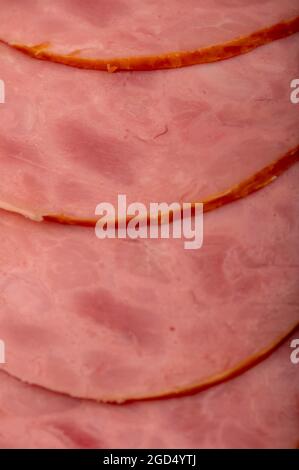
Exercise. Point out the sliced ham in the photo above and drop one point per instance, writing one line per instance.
(124, 35)
(259, 409)
(70, 139)
(116, 320)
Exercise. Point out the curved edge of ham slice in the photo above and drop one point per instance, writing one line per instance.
(170, 60)
(250, 185)
(247, 412)
(225, 376)
(193, 389)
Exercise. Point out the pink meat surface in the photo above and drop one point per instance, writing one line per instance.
(259, 409)
(120, 319)
(70, 139)
(120, 28)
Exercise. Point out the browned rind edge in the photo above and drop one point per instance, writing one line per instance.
(252, 184)
(214, 53)
(229, 374)
(189, 390)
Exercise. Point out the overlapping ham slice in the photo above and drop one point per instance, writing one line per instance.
(258, 409)
(115, 320)
(70, 139)
(122, 320)
(130, 34)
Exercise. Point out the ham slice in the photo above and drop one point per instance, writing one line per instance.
(258, 409)
(127, 35)
(116, 320)
(70, 139)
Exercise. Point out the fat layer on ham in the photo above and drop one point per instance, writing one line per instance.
(70, 139)
(115, 320)
(258, 409)
(125, 28)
